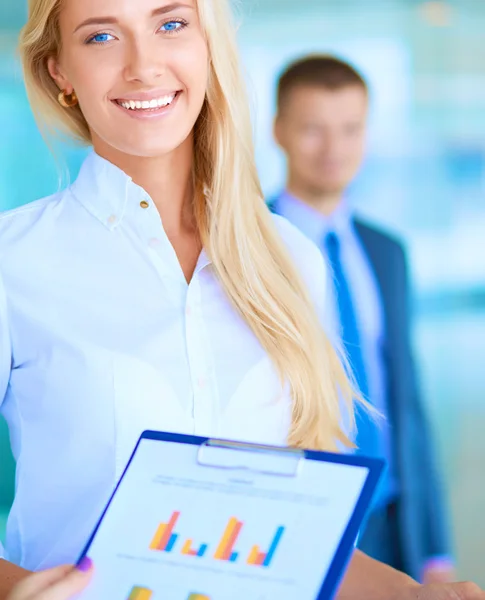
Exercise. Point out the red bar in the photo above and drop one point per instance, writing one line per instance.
(260, 559)
(232, 541)
(168, 530)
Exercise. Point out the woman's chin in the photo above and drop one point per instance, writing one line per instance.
(154, 145)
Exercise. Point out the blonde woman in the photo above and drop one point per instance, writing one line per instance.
(156, 291)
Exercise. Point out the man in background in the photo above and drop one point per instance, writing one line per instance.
(321, 127)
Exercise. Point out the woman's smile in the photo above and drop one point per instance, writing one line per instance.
(150, 105)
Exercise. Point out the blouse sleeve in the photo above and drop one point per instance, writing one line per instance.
(5, 357)
(5, 344)
(309, 262)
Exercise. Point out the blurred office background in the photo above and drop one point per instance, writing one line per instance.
(424, 178)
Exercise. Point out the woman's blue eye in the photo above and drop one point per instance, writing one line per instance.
(101, 38)
(171, 26)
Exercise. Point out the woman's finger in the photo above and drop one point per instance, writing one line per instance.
(38, 582)
(70, 585)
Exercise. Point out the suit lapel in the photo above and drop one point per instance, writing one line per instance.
(381, 263)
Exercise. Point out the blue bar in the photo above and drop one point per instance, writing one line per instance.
(202, 550)
(274, 545)
(171, 542)
(233, 557)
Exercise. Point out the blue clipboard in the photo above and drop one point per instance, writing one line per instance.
(268, 461)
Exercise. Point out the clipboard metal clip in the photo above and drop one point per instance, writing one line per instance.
(239, 456)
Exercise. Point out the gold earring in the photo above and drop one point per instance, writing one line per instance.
(67, 100)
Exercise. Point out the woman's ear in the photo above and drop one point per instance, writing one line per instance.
(57, 75)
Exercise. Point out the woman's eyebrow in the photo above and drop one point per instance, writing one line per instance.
(162, 10)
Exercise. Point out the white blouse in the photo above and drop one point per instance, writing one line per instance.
(101, 338)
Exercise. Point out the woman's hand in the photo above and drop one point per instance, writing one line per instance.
(61, 583)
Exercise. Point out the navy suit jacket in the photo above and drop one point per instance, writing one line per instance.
(422, 515)
(423, 521)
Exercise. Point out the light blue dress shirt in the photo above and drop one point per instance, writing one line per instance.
(366, 300)
(369, 313)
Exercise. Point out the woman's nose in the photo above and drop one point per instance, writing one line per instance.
(144, 62)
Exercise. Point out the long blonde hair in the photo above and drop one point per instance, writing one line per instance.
(235, 225)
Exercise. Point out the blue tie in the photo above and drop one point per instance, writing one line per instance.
(368, 437)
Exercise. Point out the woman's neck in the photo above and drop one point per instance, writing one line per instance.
(168, 181)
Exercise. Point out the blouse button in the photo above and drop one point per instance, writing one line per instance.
(144, 204)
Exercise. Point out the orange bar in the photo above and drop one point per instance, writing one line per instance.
(168, 531)
(158, 537)
(187, 547)
(253, 555)
(225, 538)
(232, 540)
(138, 593)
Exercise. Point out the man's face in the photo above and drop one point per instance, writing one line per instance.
(322, 133)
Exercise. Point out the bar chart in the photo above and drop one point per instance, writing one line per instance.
(166, 540)
(229, 538)
(140, 593)
(189, 551)
(263, 559)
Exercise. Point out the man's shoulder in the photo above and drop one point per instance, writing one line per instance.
(373, 233)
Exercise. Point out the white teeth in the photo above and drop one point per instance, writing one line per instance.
(147, 104)
(166, 100)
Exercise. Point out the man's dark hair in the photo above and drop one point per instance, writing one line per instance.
(323, 71)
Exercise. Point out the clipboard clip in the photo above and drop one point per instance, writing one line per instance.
(239, 456)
